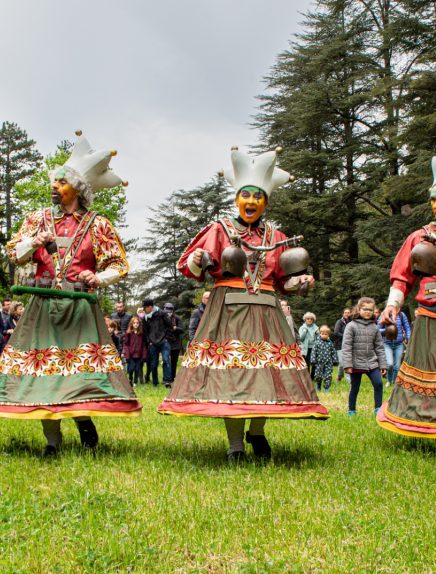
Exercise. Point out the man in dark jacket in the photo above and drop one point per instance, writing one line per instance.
(155, 326)
(197, 315)
(5, 310)
(122, 317)
(174, 337)
(338, 335)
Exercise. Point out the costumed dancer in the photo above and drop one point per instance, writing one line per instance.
(411, 409)
(244, 362)
(61, 361)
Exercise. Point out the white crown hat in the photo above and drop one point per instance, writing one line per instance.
(90, 167)
(259, 171)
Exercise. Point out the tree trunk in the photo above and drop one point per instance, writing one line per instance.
(8, 189)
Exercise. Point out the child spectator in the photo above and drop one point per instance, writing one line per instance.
(116, 339)
(141, 314)
(363, 352)
(134, 349)
(174, 337)
(323, 357)
(16, 310)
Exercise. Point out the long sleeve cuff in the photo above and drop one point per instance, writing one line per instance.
(396, 298)
(24, 250)
(108, 277)
(193, 267)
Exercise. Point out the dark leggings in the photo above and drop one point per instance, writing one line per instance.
(134, 369)
(310, 368)
(174, 358)
(377, 383)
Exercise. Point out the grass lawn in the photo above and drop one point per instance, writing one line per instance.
(339, 496)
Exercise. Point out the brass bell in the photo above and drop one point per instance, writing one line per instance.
(294, 261)
(51, 247)
(233, 261)
(391, 332)
(423, 259)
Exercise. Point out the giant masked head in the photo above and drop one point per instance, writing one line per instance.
(254, 179)
(85, 172)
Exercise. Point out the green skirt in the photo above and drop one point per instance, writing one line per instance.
(61, 362)
(411, 409)
(244, 362)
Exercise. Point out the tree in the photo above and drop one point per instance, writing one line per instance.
(174, 223)
(402, 47)
(337, 102)
(18, 160)
(317, 112)
(129, 290)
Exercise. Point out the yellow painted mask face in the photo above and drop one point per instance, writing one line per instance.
(251, 203)
(63, 193)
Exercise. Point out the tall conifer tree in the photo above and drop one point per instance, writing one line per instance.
(19, 159)
(174, 223)
(338, 103)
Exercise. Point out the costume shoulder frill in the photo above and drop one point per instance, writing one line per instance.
(32, 224)
(107, 246)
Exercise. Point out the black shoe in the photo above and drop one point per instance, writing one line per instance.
(236, 457)
(49, 451)
(88, 434)
(260, 445)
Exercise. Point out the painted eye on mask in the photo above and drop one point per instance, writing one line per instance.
(256, 195)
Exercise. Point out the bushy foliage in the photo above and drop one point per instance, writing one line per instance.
(174, 223)
(352, 102)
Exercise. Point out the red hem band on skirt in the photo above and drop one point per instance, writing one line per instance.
(224, 410)
(97, 406)
(390, 423)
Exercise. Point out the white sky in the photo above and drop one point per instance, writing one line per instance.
(170, 84)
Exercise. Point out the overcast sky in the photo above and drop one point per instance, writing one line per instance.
(171, 85)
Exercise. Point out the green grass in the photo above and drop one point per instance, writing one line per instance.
(339, 496)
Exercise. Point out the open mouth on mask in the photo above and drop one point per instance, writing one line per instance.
(249, 211)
